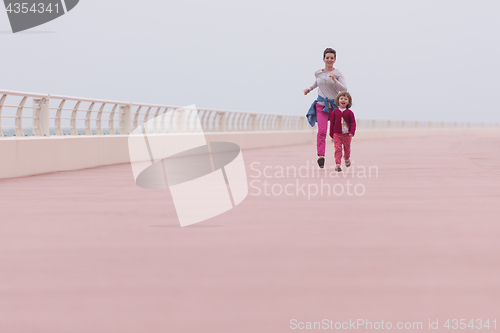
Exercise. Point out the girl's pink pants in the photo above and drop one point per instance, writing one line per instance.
(338, 141)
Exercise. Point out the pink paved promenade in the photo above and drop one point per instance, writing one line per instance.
(90, 252)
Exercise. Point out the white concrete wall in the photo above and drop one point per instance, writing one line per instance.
(37, 155)
(362, 133)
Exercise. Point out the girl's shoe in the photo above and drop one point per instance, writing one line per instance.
(347, 163)
(338, 168)
(321, 162)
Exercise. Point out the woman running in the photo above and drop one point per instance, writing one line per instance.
(330, 82)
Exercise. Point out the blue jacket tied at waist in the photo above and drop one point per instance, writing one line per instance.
(329, 106)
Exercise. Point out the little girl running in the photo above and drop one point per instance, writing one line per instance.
(342, 128)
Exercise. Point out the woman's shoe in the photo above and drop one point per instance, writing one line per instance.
(338, 168)
(321, 162)
(347, 163)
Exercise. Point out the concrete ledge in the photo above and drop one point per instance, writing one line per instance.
(362, 133)
(37, 155)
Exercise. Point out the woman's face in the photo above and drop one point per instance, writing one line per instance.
(329, 59)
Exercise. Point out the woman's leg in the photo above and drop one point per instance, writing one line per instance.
(322, 119)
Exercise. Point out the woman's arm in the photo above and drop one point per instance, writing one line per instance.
(308, 90)
(339, 80)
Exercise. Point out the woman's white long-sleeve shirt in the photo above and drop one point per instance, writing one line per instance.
(327, 87)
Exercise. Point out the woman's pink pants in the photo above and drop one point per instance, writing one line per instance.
(322, 119)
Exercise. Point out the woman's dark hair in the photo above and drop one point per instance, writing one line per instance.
(329, 50)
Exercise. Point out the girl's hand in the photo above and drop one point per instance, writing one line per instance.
(333, 76)
(307, 91)
(350, 134)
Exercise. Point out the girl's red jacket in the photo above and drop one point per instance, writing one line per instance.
(336, 121)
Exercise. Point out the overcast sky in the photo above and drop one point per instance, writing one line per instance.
(423, 60)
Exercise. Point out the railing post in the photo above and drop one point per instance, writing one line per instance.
(125, 119)
(42, 121)
(155, 121)
(36, 121)
(280, 124)
(74, 130)
(254, 124)
(222, 122)
(19, 118)
(111, 121)
(181, 121)
(162, 121)
(44, 118)
(88, 119)
(58, 118)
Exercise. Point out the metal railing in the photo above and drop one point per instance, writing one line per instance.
(67, 115)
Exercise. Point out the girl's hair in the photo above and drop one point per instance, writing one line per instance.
(329, 50)
(344, 93)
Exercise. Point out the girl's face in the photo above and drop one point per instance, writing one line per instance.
(343, 101)
(329, 59)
